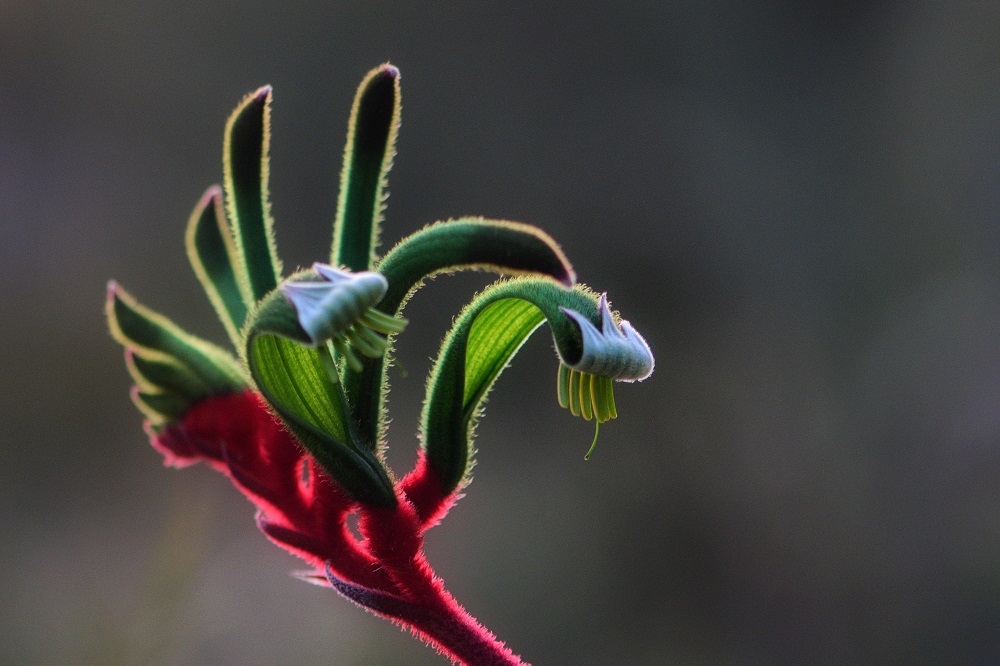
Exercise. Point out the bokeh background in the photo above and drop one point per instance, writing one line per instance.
(796, 202)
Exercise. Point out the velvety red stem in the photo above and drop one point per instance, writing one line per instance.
(300, 509)
(423, 487)
(394, 538)
(303, 511)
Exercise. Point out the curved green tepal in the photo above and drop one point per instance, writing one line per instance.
(471, 243)
(172, 369)
(220, 268)
(246, 166)
(371, 141)
(477, 349)
(150, 334)
(301, 384)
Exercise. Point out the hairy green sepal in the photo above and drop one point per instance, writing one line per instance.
(161, 373)
(301, 384)
(215, 260)
(500, 246)
(371, 140)
(246, 170)
(172, 369)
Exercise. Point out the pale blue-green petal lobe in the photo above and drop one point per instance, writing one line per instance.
(618, 353)
(328, 308)
(331, 274)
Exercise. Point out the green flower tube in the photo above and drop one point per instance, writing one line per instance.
(591, 347)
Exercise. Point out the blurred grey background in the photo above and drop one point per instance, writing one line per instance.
(795, 202)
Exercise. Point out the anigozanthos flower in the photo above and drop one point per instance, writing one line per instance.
(340, 308)
(616, 352)
(302, 436)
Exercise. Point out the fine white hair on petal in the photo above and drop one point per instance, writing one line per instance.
(618, 353)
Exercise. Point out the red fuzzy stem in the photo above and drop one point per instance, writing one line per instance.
(394, 538)
(303, 511)
(423, 487)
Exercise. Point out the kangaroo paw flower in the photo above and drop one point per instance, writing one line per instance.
(611, 353)
(618, 353)
(297, 419)
(340, 308)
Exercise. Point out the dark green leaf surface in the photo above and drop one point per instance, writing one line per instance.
(219, 267)
(151, 334)
(160, 407)
(164, 374)
(371, 139)
(246, 166)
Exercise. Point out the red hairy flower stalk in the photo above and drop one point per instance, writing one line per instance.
(296, 417)
(425, 490)
(298, 507)
(301, 510)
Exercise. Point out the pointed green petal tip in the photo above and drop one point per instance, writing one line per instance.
(220, 268)
(163, 374)
(261, 94)
(368, 154)
(246, 168)
(159, 407)
(153, 336)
